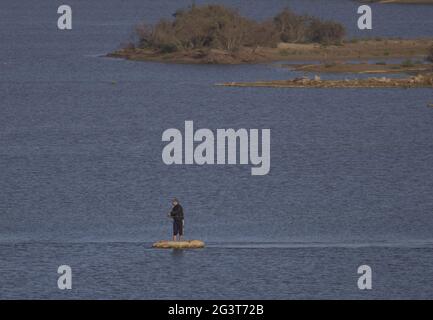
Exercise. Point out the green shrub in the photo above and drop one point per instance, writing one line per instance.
(353, 40)
(407, 63)
(167, 48)
(291, 27)
(325, 32)
(330, 64)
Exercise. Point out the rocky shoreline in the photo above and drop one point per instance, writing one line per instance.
(418, 81)
(381, 67)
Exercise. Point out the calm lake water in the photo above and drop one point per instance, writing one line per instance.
(82, 182)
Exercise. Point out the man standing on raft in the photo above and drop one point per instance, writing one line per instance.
(177, 215)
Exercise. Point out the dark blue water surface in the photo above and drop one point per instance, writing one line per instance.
(82, 181)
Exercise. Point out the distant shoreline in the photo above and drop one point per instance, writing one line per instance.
(214, 34)
(419, 81)
(349, 50)
(380, 67)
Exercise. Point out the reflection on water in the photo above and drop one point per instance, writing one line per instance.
(127, 270)
(177, 253)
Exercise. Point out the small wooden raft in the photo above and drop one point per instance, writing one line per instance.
(191, 244)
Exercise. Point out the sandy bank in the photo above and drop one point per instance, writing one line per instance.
(353, 50)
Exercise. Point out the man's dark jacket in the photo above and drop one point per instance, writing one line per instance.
(177, 212)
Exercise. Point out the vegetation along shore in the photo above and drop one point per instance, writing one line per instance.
(214, 34)
(220, 35)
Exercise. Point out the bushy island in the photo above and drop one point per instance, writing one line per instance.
(220, 35)
(217, 34)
